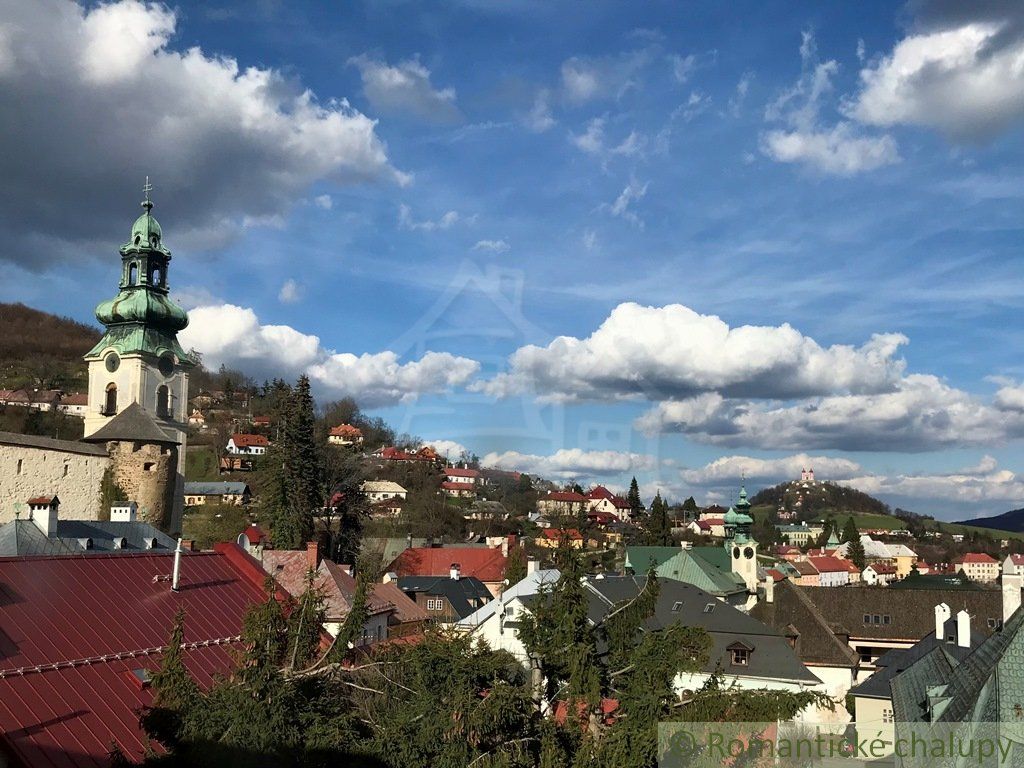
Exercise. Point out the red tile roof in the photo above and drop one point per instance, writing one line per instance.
(600, 492)
(1016, 559)
(346, 430)
(460, 472)
(245, 441)
(883, 569)
(79, 398)
(450, 486)
(254, 534)
(42, 500)
(775, 574)
(79, 627)
(827, 564)
(976, 557)
(485, 563)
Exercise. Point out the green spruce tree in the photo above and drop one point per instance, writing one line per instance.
(659, 527)
(636, 504)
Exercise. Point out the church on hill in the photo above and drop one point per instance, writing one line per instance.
(135, 416)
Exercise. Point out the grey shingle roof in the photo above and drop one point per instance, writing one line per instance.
(23, 537)
(133, 423)
(48, 443)
(683, 603)
(816, 643)
(458, 592)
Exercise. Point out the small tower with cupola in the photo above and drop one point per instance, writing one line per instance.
(740, 544)
(139, 359)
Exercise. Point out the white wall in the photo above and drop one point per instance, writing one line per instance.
(43, 474)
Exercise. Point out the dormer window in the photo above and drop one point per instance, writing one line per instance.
(739, 654)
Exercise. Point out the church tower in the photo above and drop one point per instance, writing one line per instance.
(740, 544)
(139, 361)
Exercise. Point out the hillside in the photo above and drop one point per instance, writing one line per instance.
(1012, 521)
(813, 499)
(41, 350)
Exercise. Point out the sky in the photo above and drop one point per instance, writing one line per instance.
(696, 243)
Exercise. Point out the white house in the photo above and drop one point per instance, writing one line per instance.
(879, 574)
(382, 490)
(248, 445)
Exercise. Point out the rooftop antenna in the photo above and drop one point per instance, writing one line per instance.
(176, 576)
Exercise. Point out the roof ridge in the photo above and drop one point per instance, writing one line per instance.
(820, 619)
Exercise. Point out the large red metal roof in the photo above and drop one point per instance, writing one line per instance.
(73, 629)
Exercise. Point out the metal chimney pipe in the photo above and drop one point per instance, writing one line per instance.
(176, 576)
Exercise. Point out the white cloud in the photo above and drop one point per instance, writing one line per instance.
(682, 66)
(571, 463)
(672, 351)
(325, 202)
(982, 483)
(837, 149)
(406, 87)
(967, 81)
(592, 141)
(921, 413)
(406, 220)
(634, 192)
(589, 239)
(290, 292)
(731, 470)
(234, 336)
(539, 118)
(589, 79)
(740, 96)
(494, 246)
(221, 142)
(449, 448)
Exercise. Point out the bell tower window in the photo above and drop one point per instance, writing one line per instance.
(110, 400)
(161, 402)
(133, 273)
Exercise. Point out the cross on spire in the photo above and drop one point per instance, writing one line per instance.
(147, 188)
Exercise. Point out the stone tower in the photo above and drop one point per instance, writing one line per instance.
(740, 544)
(139, 362)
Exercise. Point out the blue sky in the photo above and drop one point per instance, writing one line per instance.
(773, 234)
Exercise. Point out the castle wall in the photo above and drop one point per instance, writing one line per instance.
(38, 466)
(147, 473)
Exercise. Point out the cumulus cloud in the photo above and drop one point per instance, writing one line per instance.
(837, 149)
(963, 73)
(405, 87)
(674, 352)
(682, 66)
(730, 470)
(450, 448)
(571, 463)
(921, 413)
(221, 142)
(982, 483)
(234, 336)
(324, 202)
(494, 246)
(290, 292)
(406, 220)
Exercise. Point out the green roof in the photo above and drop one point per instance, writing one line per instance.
(707, 568)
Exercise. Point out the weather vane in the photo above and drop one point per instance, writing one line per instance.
(147, 188)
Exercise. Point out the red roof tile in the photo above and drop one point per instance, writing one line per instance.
(74, 611)
(976, 557)
(346, 430)
(254, 534)
(828, 564)
(41, 500)
(245, 441)
(460, 472)
(450, 486)
(485, 563)
(571, 496)
(556, 535)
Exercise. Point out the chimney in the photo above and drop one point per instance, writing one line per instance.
(942, 614)
(532, 566)
(312, 555)
(1012, 583)
(963, 629)
(176, 575)
(455, 572)
(45, 516)
(508, 544)
(408, 541)
(769, 588)
(188, 545)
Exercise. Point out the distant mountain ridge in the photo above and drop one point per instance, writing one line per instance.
(1012, 521)
(41, 350)
(815, 498)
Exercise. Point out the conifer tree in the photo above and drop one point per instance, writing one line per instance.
(305, 625)
(515, 567)
(849, 531)
(855, 553)
(636, 504)
(659, 528)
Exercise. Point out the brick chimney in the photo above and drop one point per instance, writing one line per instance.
(312, 555)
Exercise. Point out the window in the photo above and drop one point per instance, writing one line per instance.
(133, 272)
(886, 715)
(18, 471)
(740, 657)
(709, 608)
(676, 606)
(110, 403)
(435, 604)
(887, 619)
(161, 401)
(65, 470)
(876, 619)
(867, 618)
(992, 623)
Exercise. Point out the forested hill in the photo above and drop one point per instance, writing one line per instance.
(41, 350)
(1012, 521)
(813, 499)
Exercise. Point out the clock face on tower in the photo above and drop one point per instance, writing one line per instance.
(736, 552)
(748, 553)
(112, 362)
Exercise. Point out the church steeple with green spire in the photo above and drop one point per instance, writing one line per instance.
(142, 318)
